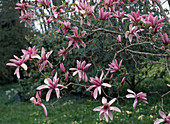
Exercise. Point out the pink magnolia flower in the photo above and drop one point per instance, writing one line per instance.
(165, 39)
(119, 38)
(104, 15)
(140, 96)
(134, 16)
(105, 110)
(27, 18)
(76, 39)
(51, 19)
(123, 80)
(62, 68)
(44, 3)
(17, 62)
(114, 66)
(154, 22)
(63, 53)
(58, 11)
(110, 4)
(66, 76)
(80, 70)
(97, 83)
(86, 10)
(38, 102)
(119, 15)
(32, 52)
(44, 59)
(51, 85)
(166, 119)
(23, 7)
(67, 27)
(133, 31)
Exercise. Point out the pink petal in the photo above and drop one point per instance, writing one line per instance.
(112, 101)
(104, 100)
(135, 103)
(91, 87)
(48, 95)
(130, 91)
(57, 92)
(95, 93)
(106, 117)
(110, 115)
(42, 87)
(45, 110)
(115, 109)
(130, 96)
(98, 108)
(106, 85)
(101, 75)
(162, 114)
(159, 121)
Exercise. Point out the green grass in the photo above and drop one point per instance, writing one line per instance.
(77, 109)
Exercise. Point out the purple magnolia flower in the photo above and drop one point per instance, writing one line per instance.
(114, 66)
(44, 59)
(133, 31)
(105, 110)
(38, 102)
(104, 15)
(17, 62)
(140, 96)
(51, 85)
(97, 83)
(166, 119)
(32, 52)
(80, 70)
(165, 39)
(27, 18)
(76, 39)
(63, 53)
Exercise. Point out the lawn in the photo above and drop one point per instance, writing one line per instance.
(73, 109)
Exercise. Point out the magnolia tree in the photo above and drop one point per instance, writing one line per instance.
(128, 33)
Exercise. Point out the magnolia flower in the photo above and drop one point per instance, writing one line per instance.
(27, 18)
(76, 39)
(114, 66)
(58, 10)
(80, 70)
(123, 80)
(97, 83)
(38, 103)
(106, 109)
(51, 85)
(119, 15)
(51, 19)
(133, 31)
(63, 53)
(134, 16)
(31, 52)
(104, 15)
(140, 96)
(44, 59)
(119, 38)
(67, 27)
(62, 68)
(23, 7)
(165, 39)
(44, 3)
(17, 62)
(166, 119)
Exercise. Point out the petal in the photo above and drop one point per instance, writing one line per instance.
(101, 75)
(135, 103)
(104, 100)
(24, 66)
(159, 121)
(110, 115)
(112, 101)
(57, 92)
(95, 92)
(48, 95)
(130, 91)
(45, 110)
(162, 114)
(98, 108)
(42, 87)
(130, 96)
(91, 87)
(59, 85)
(115, 109)
(106, 117)
(106, 85)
